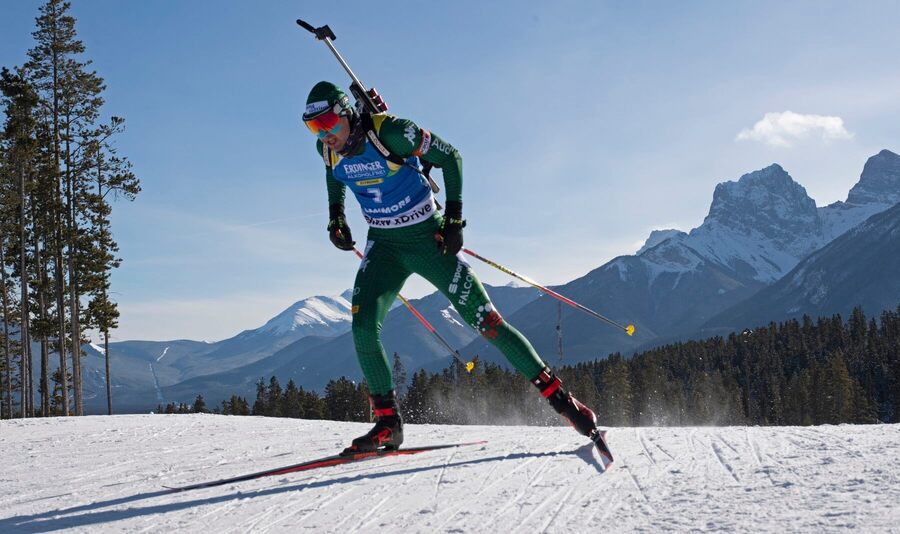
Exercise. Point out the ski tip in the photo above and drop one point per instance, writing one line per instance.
(606, 457)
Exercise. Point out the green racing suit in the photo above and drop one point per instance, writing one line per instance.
(399, 207)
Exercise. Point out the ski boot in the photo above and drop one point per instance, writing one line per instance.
(388, 431)
(577, 414)
(582, 418)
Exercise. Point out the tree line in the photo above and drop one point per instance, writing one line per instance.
(799, 372)
(59, 172)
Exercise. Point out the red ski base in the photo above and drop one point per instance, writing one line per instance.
(599, 439)
(328, 461)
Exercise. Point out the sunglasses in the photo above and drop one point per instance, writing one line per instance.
(328, 123)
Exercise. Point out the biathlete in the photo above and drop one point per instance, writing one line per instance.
(408, 235)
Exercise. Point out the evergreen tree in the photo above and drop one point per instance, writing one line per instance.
(616, 398)
(345, 401)
(199, 405)
(261, 406)
(291, 404)
(399, 377)
(72, 249)
(273, 398)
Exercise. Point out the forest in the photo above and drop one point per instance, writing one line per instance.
(799, 372)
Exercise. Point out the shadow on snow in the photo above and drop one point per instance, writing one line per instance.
(93, 515)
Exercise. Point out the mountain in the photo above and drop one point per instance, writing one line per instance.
(757, 230)
(312, 361)
(859, 268)
(141, 370)
(657, 237)
(314, 316)
(877, 190)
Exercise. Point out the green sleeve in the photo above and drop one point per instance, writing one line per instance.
(404, 138)
(336, 190)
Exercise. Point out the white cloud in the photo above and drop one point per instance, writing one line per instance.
(781, 129)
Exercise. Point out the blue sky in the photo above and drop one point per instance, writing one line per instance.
(583, 126)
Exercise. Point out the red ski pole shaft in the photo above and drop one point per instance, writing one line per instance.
(628, 329)
(453, 352)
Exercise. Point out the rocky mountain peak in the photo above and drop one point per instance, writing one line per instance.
(879, 182)
(657, 237)
(767, 201)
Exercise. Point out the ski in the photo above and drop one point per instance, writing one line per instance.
(599, 439)
(327, 461)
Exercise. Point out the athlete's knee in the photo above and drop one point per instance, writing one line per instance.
(488, 321)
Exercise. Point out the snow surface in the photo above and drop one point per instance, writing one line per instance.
(105, 474)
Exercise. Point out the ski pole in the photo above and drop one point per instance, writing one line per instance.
(628, 329)
(455, 353)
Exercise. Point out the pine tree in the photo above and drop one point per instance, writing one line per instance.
(399, 377)
(260, 406)
(291, 401)
(616, 397)
(80, 164)
(199, 405)
(273, 398)
(344, 401)
(18, 159)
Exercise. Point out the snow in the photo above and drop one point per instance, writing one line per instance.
(657, 237)
(768, 259)
(448, 315)
(105, 474)
(670, 257)
(313, 311)
(165, 351)
(840, 217)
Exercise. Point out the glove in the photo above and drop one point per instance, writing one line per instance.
(338, 231)
(450, 235)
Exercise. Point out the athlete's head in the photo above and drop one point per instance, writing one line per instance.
(328, 114)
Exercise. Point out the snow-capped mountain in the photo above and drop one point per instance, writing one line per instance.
(142, 370)
(859, 268)
(657, 237)
(877, 190)
(313, 316)
(761, 225)
(757, 230)
(312, 361)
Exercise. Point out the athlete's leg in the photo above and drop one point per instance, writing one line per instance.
(454, 277)
(378, 282)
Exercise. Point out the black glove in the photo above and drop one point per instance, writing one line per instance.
(450, 235)
(338, 231)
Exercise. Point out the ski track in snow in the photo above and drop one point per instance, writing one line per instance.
(106, 474)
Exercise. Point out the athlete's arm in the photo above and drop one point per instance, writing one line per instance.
(336, 190)
(404, 138)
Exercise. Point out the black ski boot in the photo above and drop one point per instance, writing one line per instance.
(579, 416)
(388, 431)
